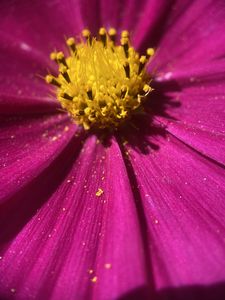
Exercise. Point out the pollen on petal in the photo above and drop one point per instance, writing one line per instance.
(99, 192)
(94, 279)
(108, 266)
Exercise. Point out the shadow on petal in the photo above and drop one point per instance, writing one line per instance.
(196, 292)
(24, 204)
(142, 130)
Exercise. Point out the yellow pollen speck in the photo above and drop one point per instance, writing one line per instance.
(94, 279)
(99, 192)
(101, 83)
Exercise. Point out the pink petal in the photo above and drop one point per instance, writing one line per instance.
(122, 14)
(42, 25)
(199, 119)
(194, 36)
(76, 235)
(183, 199)
(16, 105)
(28, 146)
(141, 18)
(150, 18)
(22, 89)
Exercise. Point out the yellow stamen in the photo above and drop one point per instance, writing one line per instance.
(102, 33)
(53, 56)
(143, 61)
(87, 35)
(112, 34)
(71, 44)
(52, 80)
(147, 88)
(124, 34)
(125, 43)
(150, 52)
(101, 84)
(61, 59)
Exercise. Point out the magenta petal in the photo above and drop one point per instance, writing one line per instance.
(78, 237)
(120, 14)
(16, 105)
(195, 35)
(149, 22)
(85, 221)
(22, 89)
(183, 198)
(28, 146)
(207, 141)
(199, 119)
(42, 25)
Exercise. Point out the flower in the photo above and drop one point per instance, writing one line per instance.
(140, 216)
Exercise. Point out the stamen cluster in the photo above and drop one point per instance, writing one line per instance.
(100, 83)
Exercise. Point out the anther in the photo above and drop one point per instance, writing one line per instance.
(102, 34)
(71, 44)
(50, 79)
(53, 56)
(63, 71)
(125, 43)
(147, 89)
(101, 84)
(125, 34)
(87, 35)
(61, 59)
(150, 52)
(112, 34)
(127, 69)
(143, 61)
(90, 95)
(66, 96)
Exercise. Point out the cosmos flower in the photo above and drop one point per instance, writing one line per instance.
(139, 213)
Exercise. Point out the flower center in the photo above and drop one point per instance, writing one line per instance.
(101, 84)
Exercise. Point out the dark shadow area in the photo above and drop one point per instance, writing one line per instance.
(162, 25)
(24, 204)
(140, 131)
(140, 128)
(150, 290)
(196, 292)
(159, 102)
